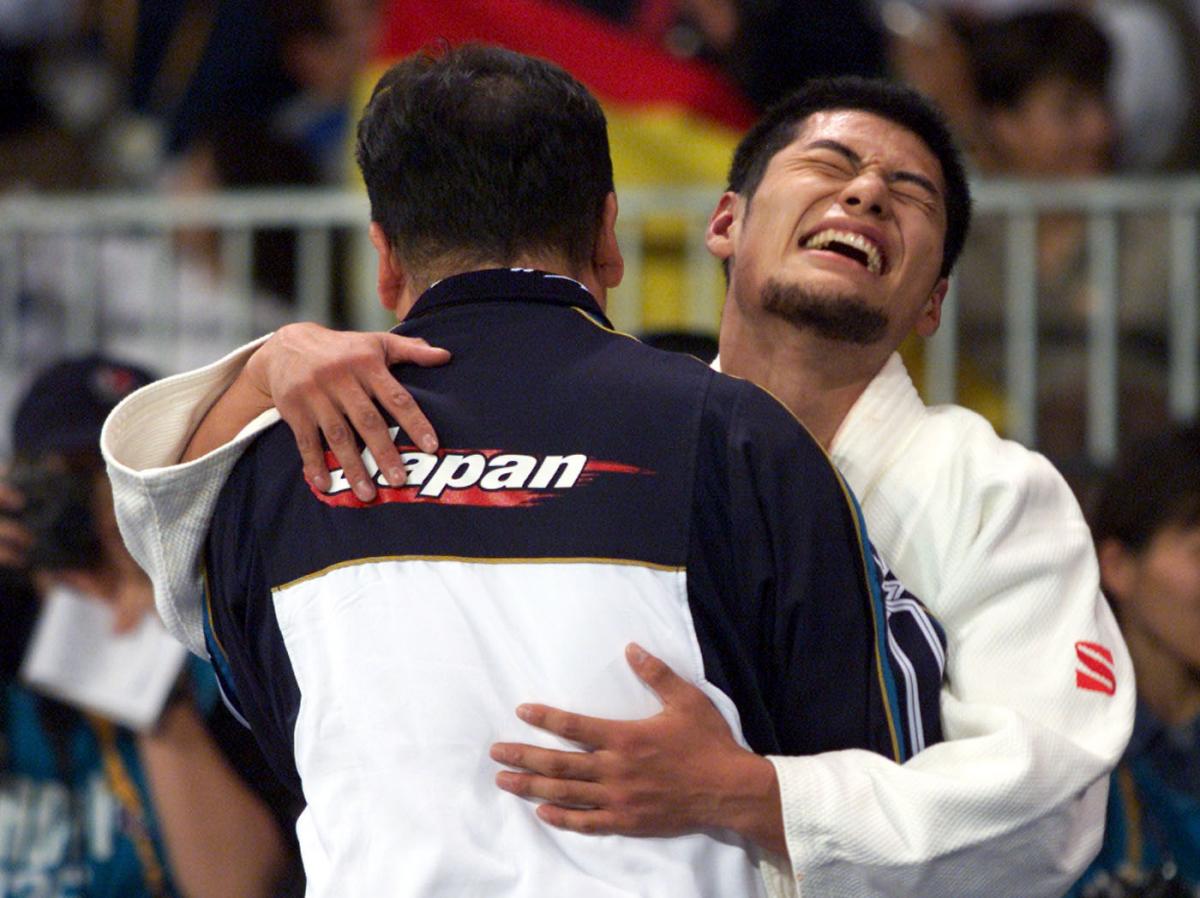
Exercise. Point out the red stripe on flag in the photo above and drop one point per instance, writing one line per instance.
(612, 61)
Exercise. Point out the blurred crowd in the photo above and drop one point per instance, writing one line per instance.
(1068, 91)
(198, 96)
(119, 92)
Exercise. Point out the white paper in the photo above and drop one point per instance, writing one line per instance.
(76, 657)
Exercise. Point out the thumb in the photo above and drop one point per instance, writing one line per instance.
(671, 688)
(414, 350)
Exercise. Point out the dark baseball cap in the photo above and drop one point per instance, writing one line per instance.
(64, 408)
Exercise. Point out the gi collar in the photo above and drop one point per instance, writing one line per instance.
(507, 284)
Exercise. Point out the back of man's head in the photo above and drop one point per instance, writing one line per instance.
(781, 124)
(481, 155)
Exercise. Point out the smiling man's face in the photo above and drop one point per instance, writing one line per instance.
(844, 233)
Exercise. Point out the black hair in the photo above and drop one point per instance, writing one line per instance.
(1009, 56)
(1154, 484)
(897, 103)
(483, 154)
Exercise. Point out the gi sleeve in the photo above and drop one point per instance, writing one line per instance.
(1013, 803)
(163, 507)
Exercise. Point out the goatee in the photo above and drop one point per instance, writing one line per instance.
(844, 318)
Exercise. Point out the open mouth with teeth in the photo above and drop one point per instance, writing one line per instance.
(853, 246)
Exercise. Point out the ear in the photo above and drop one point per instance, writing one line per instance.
(393, 285)
(931, 313)
(1118, 570)
(723, 225)
(607, 260)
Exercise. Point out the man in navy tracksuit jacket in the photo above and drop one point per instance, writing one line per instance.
(590, 492)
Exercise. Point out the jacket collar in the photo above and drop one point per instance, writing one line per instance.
(889, 405)
(500, 284)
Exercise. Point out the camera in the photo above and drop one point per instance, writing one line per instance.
(58, 514)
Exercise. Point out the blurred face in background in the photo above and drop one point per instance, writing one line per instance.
(1059, 128)
(1156, 591)
(328, 63)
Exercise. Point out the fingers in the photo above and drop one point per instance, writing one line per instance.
(574, 793)
(562, 777)
(588, 732)
(333, 384)
(590, 822)
(312, 451)
(356, 413)
(549, 762)
(336, 411)
(369, 424)
(671, 688)
(374, 386)
(315, 417)
(396, 399)
(413, 350)
(399, 403)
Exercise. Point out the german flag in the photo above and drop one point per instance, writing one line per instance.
(671, 121)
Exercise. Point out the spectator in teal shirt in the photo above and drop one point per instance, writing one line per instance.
(1147, 531)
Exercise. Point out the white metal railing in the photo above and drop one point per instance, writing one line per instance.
(72, 239)
(1102, 201)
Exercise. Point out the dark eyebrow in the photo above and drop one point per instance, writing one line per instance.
(919, 180)
(839, 148)
(855, 159)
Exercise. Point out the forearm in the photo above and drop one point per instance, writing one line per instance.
(151, 428)
(953, 821)
(241, 403)
(220, 838)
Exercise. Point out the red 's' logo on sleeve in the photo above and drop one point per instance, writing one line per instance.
(1095, 670)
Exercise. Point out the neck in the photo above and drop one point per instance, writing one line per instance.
(819, 380)
(1168, 686)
